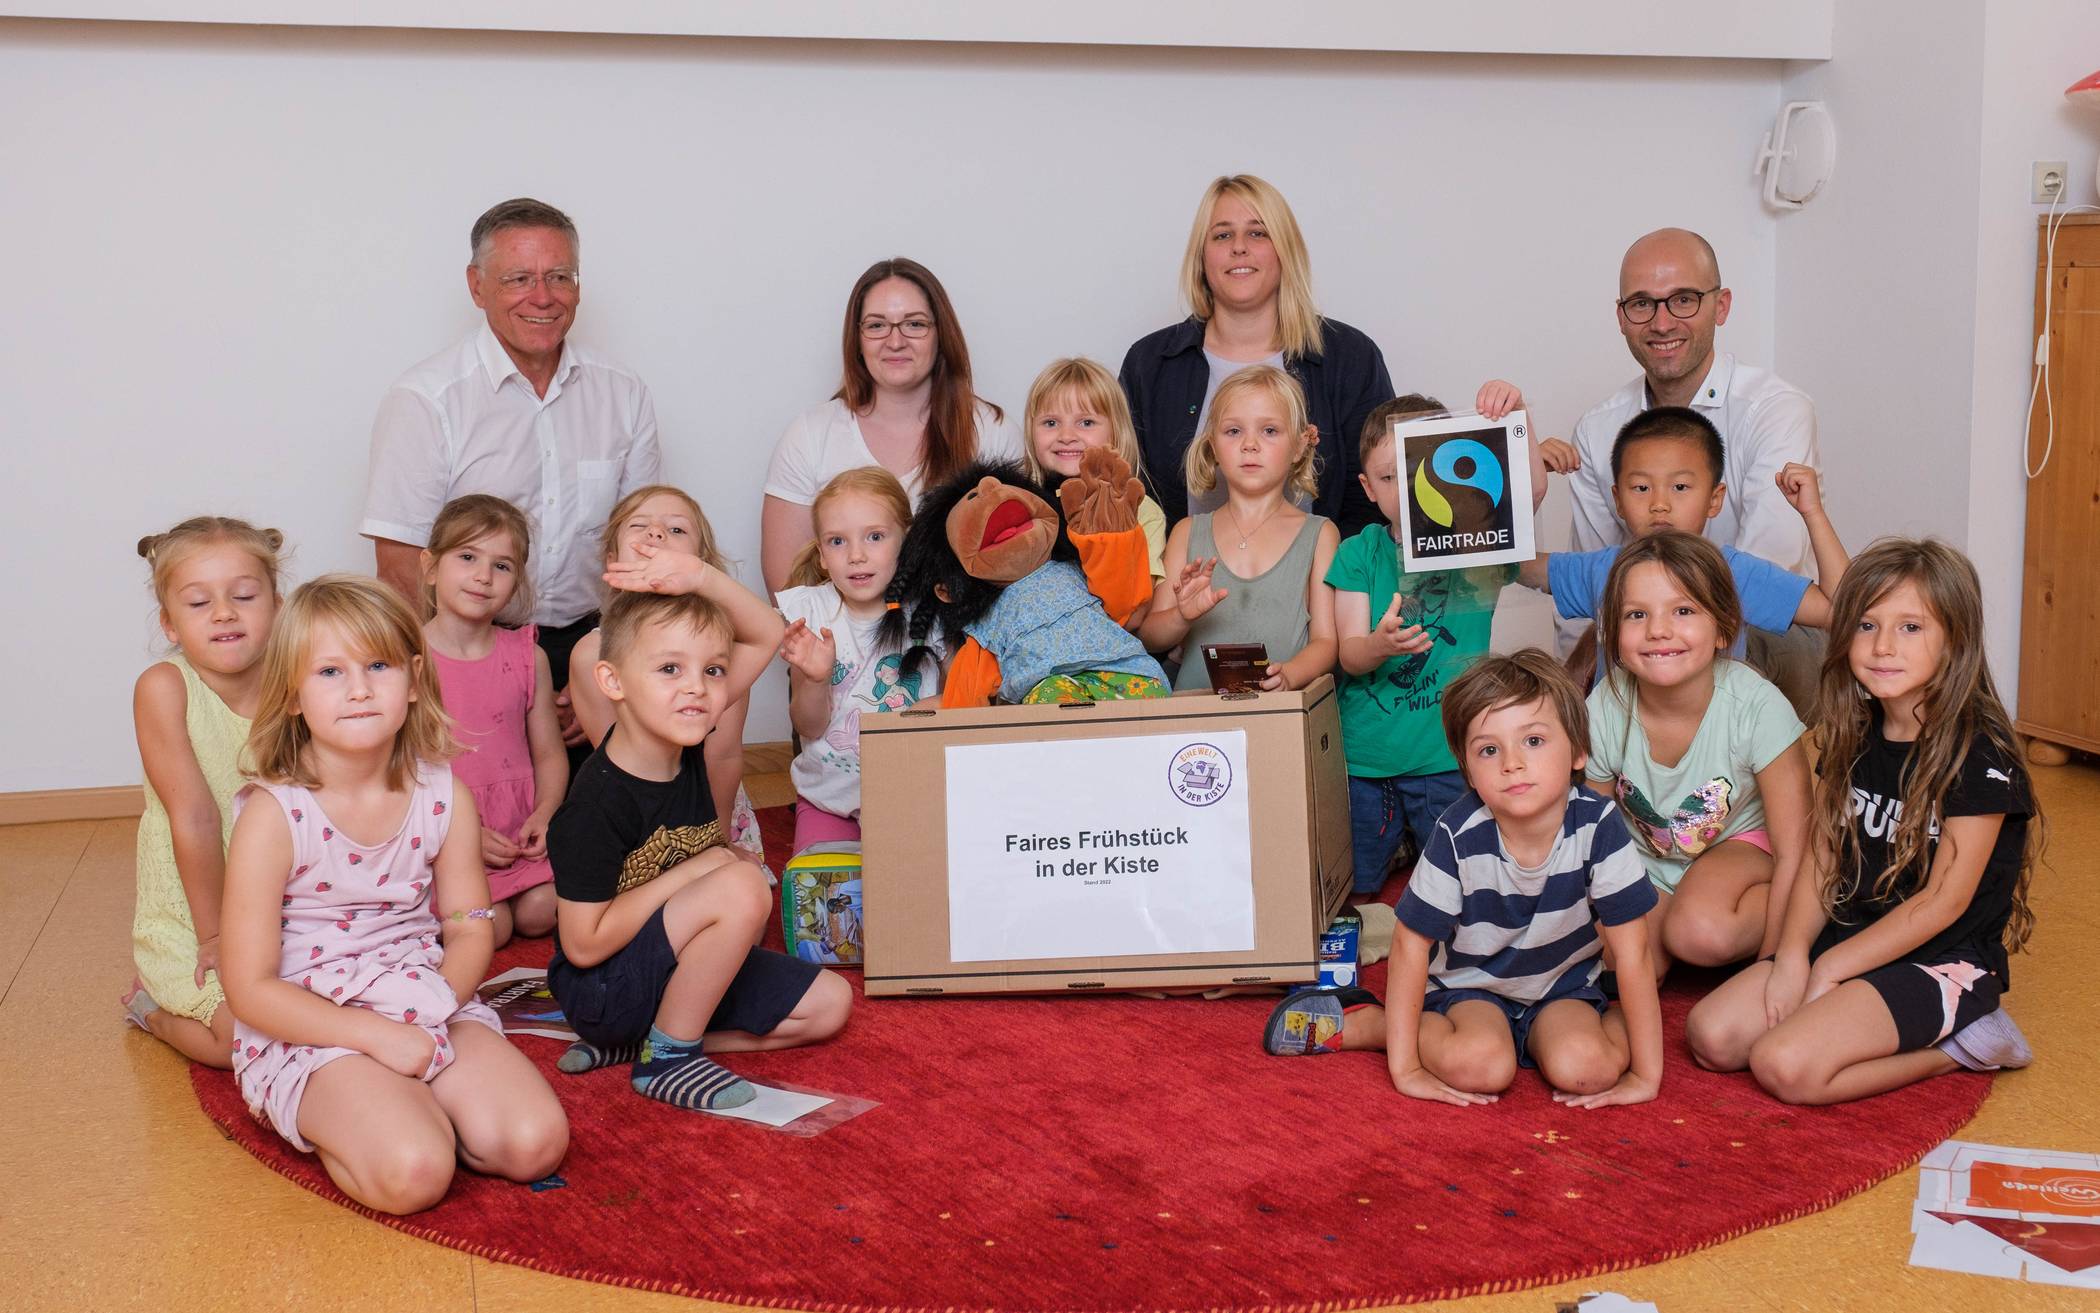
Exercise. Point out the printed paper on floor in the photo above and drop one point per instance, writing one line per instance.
(2021, 1214)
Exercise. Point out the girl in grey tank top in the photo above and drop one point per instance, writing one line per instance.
(1268, 609)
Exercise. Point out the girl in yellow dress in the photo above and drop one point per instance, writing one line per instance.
(216, 580)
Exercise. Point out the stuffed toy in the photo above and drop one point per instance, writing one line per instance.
(1030, 604)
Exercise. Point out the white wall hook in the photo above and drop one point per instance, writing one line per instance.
(1798, 154)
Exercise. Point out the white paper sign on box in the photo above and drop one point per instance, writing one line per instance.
(1099, 848)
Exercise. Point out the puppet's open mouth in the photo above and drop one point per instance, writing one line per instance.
(1007, 521)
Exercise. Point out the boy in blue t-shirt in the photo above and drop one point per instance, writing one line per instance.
(1666, 474)
(1403, 638)
(1497, 951)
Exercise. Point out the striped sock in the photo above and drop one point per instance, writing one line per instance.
(583, 1056)
(676, 1072)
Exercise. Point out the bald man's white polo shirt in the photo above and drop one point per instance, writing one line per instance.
(1764, 421)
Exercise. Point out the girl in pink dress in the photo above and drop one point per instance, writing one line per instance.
(356, 1030)
(500, 695)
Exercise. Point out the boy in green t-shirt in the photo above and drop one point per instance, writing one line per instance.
(1402, 640)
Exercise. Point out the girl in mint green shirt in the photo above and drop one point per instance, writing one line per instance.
(1703, 756)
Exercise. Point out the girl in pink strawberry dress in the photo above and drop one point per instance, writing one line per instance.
(356, 1030)
(500, 695)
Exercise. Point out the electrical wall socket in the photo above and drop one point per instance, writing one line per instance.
(2049, 179)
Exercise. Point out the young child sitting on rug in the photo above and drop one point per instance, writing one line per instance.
(838, 669)
(216, 582)
(1496, 955)
(659, 515)
(1926, 833)
(657, 913)
(1702, 754)
(499, 691)
(357, 1032)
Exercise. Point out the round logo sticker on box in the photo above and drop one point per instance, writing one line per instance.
(1200, 774)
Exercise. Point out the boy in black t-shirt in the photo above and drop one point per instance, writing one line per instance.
(658, 915)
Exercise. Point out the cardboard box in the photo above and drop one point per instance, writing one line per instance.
(1095, 834)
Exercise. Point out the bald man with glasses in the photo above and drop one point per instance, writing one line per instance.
(1671, 299)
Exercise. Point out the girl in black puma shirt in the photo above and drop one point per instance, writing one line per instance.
(1893, 957)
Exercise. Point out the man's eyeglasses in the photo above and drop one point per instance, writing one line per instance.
(558, 281)
(875, 329)
(1683, 303)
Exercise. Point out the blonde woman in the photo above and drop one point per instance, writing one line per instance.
(1248, 284)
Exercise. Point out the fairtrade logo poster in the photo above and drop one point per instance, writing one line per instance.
(1466, 499)
(1141, 846)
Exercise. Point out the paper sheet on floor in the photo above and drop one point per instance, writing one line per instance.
(524, 1005)
(2023, 1214)
(775, 1108)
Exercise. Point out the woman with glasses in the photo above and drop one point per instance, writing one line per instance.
(905, 404)
(1248, 284)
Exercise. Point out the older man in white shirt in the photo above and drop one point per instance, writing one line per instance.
(519, 411)
(1670, 302)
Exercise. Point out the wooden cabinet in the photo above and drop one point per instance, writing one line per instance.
(2060, 612)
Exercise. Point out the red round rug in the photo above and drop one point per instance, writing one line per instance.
(1106, 1153)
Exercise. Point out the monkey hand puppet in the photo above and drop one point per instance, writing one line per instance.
(1030, 605)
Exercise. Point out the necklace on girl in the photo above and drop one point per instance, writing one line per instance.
(1245, 532)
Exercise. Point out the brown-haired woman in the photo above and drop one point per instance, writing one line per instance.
(905, 402)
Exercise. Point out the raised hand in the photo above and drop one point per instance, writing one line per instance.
(1560, 455)
(1102, 497)
(1394, 636)
(661, 570)
(1802, 486)
(809, 653)
(1498, 397)
(1193, 594)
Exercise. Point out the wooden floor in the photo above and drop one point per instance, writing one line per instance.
(115, 1192)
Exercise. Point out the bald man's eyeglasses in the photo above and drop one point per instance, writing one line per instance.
(1683, 303)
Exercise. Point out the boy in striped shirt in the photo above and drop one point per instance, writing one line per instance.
(1524, 882)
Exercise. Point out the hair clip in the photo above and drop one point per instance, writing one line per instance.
(474, 914)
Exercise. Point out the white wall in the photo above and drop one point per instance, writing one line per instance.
(2032, 51)
(225, 242)
(1877, 274)
(1906, 291)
